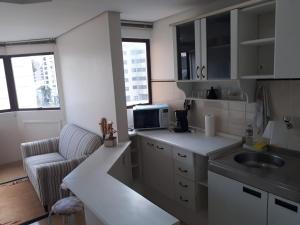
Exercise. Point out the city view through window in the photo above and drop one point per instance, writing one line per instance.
(135, 72)
(35, 81)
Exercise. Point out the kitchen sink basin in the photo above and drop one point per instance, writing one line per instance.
(259, 160)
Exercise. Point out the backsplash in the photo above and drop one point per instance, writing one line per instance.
(233, 116)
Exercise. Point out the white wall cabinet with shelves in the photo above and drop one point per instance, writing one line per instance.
(256, 32)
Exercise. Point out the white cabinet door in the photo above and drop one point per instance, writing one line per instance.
(158, 167)
(233, 203)
(287, 34)
(148, 158)
(282, 211)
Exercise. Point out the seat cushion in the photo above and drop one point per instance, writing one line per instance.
(34, 161)
(75, 142)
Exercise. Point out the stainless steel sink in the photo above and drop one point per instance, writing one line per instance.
(259, 160)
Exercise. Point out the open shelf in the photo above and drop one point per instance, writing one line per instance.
(257, 77)
(256, 32)
(259, 42)
(261, 8)
(213, 100)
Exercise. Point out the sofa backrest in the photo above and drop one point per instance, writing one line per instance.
(75, 142)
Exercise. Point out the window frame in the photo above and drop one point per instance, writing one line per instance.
(10, 80)
(148, 60)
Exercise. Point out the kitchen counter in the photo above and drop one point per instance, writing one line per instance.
(112, 202)
(195, 142)
(283, 181)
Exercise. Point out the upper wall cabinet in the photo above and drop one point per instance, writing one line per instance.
(185, 35)
(256, 32)
(287, 48)
(206, 48)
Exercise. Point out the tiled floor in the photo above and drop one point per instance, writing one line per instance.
(11, 171)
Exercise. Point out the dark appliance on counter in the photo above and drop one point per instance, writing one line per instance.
(212, 93)
(182, 124)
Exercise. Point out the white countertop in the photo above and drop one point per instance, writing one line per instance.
(110, 200)
(194, 142)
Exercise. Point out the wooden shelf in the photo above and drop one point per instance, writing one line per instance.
(259, 42)
(257, 77)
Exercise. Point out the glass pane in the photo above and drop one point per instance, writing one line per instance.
(35, 80)
(218, 47)
(136, 73)
(4, 99)
(186, 51)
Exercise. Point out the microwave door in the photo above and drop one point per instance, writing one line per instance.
(146, 119)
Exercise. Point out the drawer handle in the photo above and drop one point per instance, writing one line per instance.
(160, 148)
(181, 155)
(182, 199)
(182, 170)
(183, 185)
(286, 205)
(150, 144)
(252, 192)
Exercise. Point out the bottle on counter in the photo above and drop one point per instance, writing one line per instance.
(249, 135)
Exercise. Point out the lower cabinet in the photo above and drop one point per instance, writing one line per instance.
(158, 166)
(282, 211)
(233, 203)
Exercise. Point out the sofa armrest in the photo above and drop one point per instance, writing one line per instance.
(39, 147)
(50, 177)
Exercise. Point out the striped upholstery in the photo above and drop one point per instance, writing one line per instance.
(31, 163)
(39, 147)
(47, 162)
(75, 142)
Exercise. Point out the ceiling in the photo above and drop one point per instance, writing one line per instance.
(50, 19)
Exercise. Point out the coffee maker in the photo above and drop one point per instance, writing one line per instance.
(182, 124)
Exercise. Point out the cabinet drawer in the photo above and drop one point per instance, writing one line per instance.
(183, 156)
(184, 169)
(185, 186)
(186, 200)
(163, 149)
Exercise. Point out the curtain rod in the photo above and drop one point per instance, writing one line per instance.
(29, 42)
(137, 24)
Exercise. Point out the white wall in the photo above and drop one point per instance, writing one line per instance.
(23, 126)
(92, 76)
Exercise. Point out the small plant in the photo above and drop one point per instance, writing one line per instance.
(108, 132)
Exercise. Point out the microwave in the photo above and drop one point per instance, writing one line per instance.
(151, 117)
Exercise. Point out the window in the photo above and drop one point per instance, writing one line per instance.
(23, 84)
(137, 78)
(33, 89)
(4, 98)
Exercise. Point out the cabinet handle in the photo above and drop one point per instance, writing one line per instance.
(252, 192)
(202, 69)
(150, 144)
(181, 155)
(286, 205)
(197, 72)
(182, 170)
(160, 148)
(183, 185)
(182, 199)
